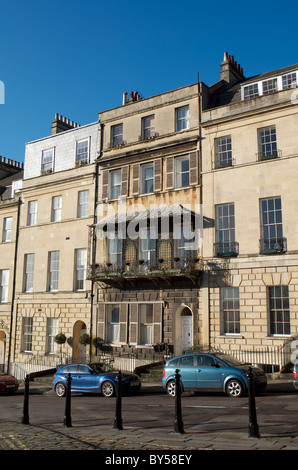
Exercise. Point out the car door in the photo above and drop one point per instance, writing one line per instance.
(187, 371)
(72, 370)
(208, 374)
(86, 379)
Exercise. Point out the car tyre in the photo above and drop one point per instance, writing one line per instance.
(60, 389)
(171, 388)
(234, 388)
(107, 389)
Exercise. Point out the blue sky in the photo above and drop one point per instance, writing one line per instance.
(77, 57)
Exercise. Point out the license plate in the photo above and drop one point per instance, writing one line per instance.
(10, 386)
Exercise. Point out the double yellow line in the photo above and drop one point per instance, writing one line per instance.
(13, 442)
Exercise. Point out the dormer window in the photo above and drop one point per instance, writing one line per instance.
(47, 161)
(250, 91)
(82, 152)
(289, 81)
(271, 85)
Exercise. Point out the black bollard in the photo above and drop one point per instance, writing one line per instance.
(178, 428)
(118, 413)
(67, 417)
(25, 417)
(253, 428)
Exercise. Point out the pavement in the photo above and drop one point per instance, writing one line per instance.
(154, 443)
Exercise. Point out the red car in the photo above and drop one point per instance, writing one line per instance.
(8, 383)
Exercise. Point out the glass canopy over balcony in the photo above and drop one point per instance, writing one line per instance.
(159, 245)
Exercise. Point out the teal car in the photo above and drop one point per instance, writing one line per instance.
(211, 372)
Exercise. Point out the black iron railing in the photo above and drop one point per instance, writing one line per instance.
(273, 245)
(226, 249)
(140, 267)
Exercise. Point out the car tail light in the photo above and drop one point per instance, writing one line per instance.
(295, 374)
(54, 375)
(163, 373)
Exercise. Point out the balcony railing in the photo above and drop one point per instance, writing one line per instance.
(273, 245)
(145, 268)
(148, 135)
(226, 249)
(224, 162)
(265, 155)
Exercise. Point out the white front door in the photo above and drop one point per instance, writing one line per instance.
(186, 331)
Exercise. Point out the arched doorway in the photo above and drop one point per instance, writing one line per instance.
(183, 330)
(2, 350)
(78, 350)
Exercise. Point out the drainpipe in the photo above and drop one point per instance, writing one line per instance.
(14, 283)
(94, 237)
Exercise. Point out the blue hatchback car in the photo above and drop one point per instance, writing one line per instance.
(211, 372)
(94, 378)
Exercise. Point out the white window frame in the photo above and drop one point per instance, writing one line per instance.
(113, 323)
(83, 203)
(148, 127)
(29, 261)
(52, 331)
(80, 268)
(114, 250)
(53, 271)
(259, 85)
(279, 310)
(4, 283)
(148, 179)
(146, 324)
(179, 173)
(82, 156)
(32, 213)
(56, 209)
(7, 229)
(47, 161)
(27, 334)
(265, 140)
(117, 135)
(182, 118)
(288, 77)
(225, 227)
(230, 310)
(223, 151)
(115, 187)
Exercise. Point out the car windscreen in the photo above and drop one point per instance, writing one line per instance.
(101, 367)
(231, 361)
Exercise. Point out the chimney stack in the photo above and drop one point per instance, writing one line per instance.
(134, 96)
(61, 124)
(230, 70)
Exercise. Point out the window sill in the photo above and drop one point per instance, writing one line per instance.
(232, 335)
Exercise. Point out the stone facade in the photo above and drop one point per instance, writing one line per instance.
(52, 294)
(224, 155)
(246, 181)
(149, 137)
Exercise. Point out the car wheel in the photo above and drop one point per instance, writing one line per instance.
(107, 389)
(171, 388)
(234, 388)
(60, 389)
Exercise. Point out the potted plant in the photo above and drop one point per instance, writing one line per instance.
(60, 338)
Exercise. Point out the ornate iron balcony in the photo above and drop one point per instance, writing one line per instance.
(226, 249)
(146, 268)
(273, 245)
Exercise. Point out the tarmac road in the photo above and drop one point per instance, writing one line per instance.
(210, 423)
